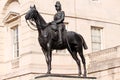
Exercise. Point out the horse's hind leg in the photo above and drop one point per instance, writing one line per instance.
(75, 57)
(83, 60)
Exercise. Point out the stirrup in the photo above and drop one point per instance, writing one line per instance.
(60, 42)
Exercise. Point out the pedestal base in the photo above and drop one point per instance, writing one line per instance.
(62, 77)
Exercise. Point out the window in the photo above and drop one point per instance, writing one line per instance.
(96, 38)
(15, 42)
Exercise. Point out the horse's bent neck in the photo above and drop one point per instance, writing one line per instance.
(40, 22)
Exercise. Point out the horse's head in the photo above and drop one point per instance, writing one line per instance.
(31, 14)
(34, 15)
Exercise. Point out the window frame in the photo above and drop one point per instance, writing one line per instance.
(99, 36)
(15, 41)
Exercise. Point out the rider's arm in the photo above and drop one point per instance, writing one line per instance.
(61, 19)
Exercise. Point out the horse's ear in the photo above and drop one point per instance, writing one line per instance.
(34, 6)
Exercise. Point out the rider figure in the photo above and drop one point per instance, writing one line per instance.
(58, 20)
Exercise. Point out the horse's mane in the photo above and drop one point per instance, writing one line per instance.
(42, 21)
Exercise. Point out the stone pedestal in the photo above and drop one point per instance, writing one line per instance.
(62, 77)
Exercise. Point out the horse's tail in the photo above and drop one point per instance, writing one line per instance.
(84, 43)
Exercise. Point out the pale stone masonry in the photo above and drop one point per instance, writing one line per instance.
(105, 64)
(27, 60)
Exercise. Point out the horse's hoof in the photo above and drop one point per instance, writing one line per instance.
(84, 75)
(79, 74)
(48, 73)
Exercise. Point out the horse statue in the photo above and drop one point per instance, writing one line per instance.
(48, 40)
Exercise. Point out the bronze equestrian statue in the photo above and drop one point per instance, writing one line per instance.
(49, 39)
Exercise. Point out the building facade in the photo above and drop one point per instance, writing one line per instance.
(96, 20)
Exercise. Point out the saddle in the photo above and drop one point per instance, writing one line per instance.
(55, 28)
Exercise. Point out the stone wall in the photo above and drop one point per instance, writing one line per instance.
(105, 64)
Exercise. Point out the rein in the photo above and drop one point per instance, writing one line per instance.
(30, 26)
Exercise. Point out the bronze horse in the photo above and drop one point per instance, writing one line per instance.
(48, 38)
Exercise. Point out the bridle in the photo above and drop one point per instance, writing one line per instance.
(30, 21)
(31, 24)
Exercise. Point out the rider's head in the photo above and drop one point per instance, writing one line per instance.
(58, 6)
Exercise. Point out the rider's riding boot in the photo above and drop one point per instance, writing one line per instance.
(60, 37)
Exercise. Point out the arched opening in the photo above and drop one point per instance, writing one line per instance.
(11, 6)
